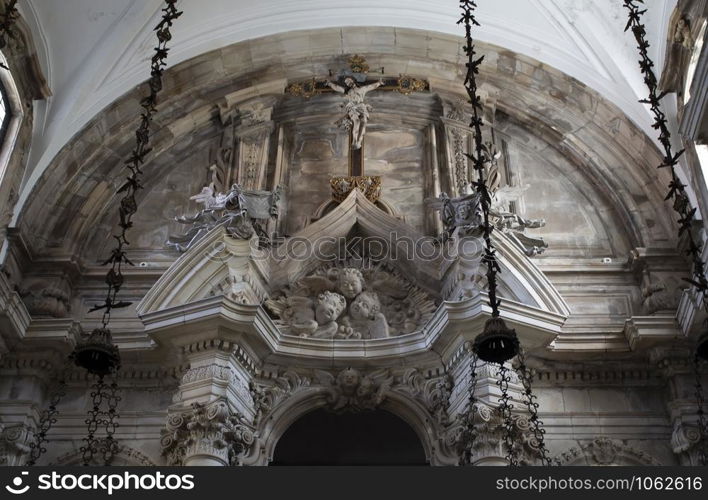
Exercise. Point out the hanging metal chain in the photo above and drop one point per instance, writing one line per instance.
(128, 203)
(530, 399)
(677, 191)
(468, 456)
(47, 419)
(702, 421)
(110, 446)
(489, 257)
(93, 421)
(505, 408)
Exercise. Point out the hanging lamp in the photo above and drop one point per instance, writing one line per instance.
(97, 354)
(497, 344)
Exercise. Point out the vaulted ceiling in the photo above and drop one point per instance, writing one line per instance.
(94, 51)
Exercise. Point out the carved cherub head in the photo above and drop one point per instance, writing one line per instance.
(330, 306)
(348, 379)
(350, 282)
(365, 306)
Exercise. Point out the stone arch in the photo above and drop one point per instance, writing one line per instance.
(89, 167)
(274, 425)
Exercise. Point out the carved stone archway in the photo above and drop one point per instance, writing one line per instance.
(306, 399)
(375, 437)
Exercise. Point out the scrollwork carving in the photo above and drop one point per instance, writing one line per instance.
(478, 434)
(211, 429)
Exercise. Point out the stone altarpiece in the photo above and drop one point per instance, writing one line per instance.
(242, 342)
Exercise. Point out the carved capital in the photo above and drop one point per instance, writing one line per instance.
(477, 435)
(14, 445)
(206, 431)
(686, 443)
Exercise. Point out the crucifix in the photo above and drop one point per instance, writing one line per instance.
(356, 116)
(353, 84)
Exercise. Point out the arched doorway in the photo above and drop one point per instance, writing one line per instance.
(369, 438)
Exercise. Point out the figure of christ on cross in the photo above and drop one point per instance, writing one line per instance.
(356, 110)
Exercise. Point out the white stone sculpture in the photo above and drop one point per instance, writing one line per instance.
(240, 211)
(356, 111)
(462, 216)
(351, 303)
(352, 390)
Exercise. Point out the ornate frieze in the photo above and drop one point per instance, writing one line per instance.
(605, 451)
(219, 372)
(351, 303)
(206, 430)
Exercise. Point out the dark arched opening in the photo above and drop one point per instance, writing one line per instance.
(369, 438)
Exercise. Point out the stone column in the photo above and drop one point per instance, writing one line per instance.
(676, 365)
(207, 434)
(211, 421)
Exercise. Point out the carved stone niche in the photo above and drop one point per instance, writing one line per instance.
(350, 302)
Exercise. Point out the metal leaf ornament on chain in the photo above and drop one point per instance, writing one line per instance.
(128, 204)
(677, 190)
(505, 408)
(497, 343)
(530, 400)
(108, 395)
(467, 457)
(97, 354)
